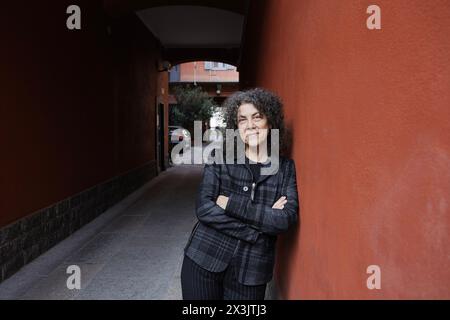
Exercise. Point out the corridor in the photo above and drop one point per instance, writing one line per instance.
(131, 251)
(89, 101)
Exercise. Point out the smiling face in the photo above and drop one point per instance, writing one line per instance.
(253, 125)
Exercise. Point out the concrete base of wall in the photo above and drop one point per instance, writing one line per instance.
(27, 238)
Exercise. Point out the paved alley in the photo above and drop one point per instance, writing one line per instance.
(133, 250)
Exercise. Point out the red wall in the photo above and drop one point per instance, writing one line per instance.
(370, 113)
(77, 107)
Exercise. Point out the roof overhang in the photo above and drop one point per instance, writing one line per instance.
(191, 30)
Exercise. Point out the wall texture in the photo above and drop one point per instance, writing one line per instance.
(371, 126)
(77, 107)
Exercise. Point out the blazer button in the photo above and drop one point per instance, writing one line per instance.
(245, 188)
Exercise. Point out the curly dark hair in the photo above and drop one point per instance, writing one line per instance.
(268, 103)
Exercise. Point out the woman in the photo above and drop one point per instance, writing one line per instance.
(231, 251)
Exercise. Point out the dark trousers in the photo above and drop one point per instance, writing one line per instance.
(200, 284)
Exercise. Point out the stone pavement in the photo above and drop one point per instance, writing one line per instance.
(133, 250)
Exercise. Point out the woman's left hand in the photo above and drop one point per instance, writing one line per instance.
(222, 201)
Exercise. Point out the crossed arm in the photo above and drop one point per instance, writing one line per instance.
(211, 214)
(271, 220)
(238, 216)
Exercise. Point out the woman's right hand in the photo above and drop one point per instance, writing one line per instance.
(279, 204)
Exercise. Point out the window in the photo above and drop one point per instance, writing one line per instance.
(213, 65)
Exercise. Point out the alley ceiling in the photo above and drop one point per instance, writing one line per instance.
(194, 26)
(190, 29)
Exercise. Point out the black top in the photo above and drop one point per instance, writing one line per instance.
(255, 168)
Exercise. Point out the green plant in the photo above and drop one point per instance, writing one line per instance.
(193, 104)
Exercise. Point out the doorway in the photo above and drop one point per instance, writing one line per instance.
(160, 137)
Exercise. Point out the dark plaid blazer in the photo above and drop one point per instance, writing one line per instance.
(247, 229)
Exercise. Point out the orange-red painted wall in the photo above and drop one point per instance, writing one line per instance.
(77, 107)
(370, 113)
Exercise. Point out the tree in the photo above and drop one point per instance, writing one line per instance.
(193, 104)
